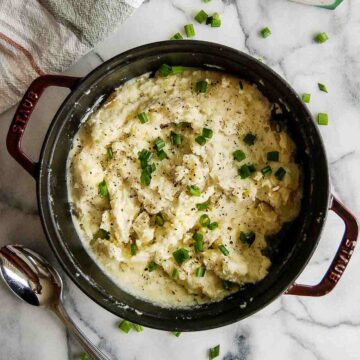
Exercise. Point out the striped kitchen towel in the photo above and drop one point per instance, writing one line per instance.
(46, 36)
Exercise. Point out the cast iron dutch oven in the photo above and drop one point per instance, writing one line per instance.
(293, 251)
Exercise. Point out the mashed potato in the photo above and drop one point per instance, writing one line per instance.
(176, 181)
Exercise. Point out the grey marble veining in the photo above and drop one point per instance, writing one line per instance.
(291, 327)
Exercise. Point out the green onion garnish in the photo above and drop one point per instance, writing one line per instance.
(202, 206)
(206, 1)
(199, 242)
(201, 16)
(145, 178)
(194, 190)
(214, 352)
(213, 225)
(175, 274)
(144, 155)
(306, 98)
(249, 139)
(322, 87)
(266, 170)
(152, 266)
(189, 30)
(207, 133)
(265, 32)
(321, 37)
(214, 20)
(137, 327)
(150, 168)
(224, 250)
(239, 155)
(161, 155)
(201, 86)
(133, 249)
(197, 236)
(176, 139)
(181, 255)
(159, 144)
(176, 36)
(109, 153)
(204, 220)
(125, 326)
(159, 219)
(102, 234)
(177, 69)
(272, 156)
(200, 271)
(227, 284)
(176, 333)
(247, 238)
(164, 70)
(200, 140)
(280, 173)
(322, 119)
(143, 118)
(244, 171)
(103, 190)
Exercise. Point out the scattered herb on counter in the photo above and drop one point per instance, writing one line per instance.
(214, 20)
(224, 250)
(177, 36)
(214, 352)
(265, 32)
(137, 327)
(176, 333)
(272, 156)
(103, 190)
(322, 87)
(181, 255)
(239, 155)
(267, 170)
(306, 98)
(280, 173)
(143, 118)
(247, 237)
(194, 190)
(125, 326)
(202, 206)
(200, 271)
(201, 86)
(189, 30)
(321, 37)
(201, 16)
(109, 152)
(322, 119)
(152, 266)
(249, 139)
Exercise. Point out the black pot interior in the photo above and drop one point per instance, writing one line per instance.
(300, 237)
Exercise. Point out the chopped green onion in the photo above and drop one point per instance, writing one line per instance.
(181, 255)
(227, 284)
(280, 173)
(133, 249)
(244, 171)
(161, 155)
(176, 333)
(241, 85)
(145, 178)
(144, 155)
(247, 238)
(202, 206)
(213, 225)
(159, 144)
(85, 356)
(197, 236)
(194, 190)
(200, 140)
(189, 30)
(150, 168)
(272, 156)
(109, 153)
(206, 1)
(239, 155)
(249, 139)
(103, 190)
(204, 220)
(321, 37)
(164, 70)
(207, 133)
(266, 170)
(175, 274)
(265, 32)
(201, 16)
(176, 36)
(176, 139)
(102, 234)
(201, 86)
(215, 20)
(200, 271)
(306, 98)
(177, 69)
(322, 119)
(214, 352)
(152, 266)
(143, 118)
(224, 250)
(125, 326)
(137, 327)
(199, 243)
(322, 87)
(159, 219)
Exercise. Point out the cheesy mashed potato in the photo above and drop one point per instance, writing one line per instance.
(177, 181)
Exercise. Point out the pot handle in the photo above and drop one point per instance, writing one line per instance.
(340, 260)
(23, 114)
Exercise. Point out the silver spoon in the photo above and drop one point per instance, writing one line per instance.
(35, 281)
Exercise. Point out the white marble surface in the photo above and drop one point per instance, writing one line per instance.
(291, 327)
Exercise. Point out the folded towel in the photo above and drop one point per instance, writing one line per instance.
(45, 36)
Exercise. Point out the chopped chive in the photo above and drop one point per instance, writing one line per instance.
(207, 133)
(321, 37)
(322, 119)
(200, 271)
(145, 178)
(201, 86)
(125, 326)
(85, 356)
(102, 234)
(249, 139)
(144, 155)
(197, 236)
(272, 156)
(215, 20)
(244, 171)
(161, 155)
(143, 118)
(265, 32)
(152, 266)
(109, 152)
(164, 70)
(213, 225)
(322, 87)
(159, 144)
(204, 220)
(224, 250)
(227, 284)
(199, 242)
(266, 170)
(202, 206)
(175, 139)
(103, 190)
(194, 190)
(150, 168)
(175, 274)
(133, 249)
(241, 85)
(189, 30)
(177, 69)
(176, 36)
(176, 333)
(214, 352)
(159, 219)
(137, 327)
(280, 173)
(306, 98)
(239, 155)
(200, 140)
(201, 16)
(181, 255)
(247, 238)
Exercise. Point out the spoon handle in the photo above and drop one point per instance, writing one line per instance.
(92, 351)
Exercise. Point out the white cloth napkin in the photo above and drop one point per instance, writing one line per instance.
(46, 36)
